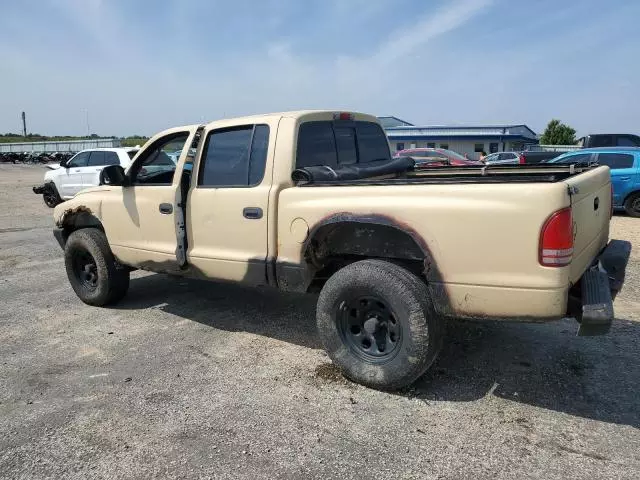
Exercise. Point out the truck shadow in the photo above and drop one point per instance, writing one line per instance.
(230, 307)
(543, 365)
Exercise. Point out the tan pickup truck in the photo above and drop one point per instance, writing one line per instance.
(312, 201)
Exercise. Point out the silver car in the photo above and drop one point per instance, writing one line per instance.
(504, 158)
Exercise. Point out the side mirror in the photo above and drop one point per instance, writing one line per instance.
(113, 175)
(63, 162)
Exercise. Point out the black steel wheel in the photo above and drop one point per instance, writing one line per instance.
(85, 269)
(369, 327)
(378, 324)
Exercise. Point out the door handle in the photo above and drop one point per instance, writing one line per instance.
(624, 178)
(252, 213)
(596, 203)
(166, 208)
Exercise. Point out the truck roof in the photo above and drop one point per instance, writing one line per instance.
(233, 121)
(263, 116)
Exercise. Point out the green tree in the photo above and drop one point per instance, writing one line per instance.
(557, 133)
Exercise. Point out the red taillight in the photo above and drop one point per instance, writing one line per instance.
(343, 116)
(521, 159)
(556, 239)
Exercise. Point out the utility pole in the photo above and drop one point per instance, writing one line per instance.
(24, 124)
(87, 114)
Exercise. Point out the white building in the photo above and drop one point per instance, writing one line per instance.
(469, 140)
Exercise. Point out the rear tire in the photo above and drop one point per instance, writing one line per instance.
(632, 205)
(92, 270)
(378, 325)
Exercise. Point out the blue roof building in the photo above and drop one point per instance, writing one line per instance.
(464, 139)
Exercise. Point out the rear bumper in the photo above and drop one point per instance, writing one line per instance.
(599, 286)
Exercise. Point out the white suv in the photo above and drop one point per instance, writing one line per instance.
(81, 171)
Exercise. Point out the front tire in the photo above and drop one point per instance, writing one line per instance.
(378, 325)
(51, 196)
(92, 270)
(632, 205)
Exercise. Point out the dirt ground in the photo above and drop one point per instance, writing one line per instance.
(187, 379)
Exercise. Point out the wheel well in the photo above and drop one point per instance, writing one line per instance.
(75, 219)
(335, 245)
(629, 195)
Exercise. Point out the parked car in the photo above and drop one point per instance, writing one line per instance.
(609, 140)
(624, 163)
(595, 140)
(504, 158)
(531, 157)
(81, 171)
(436, 157)
(275, 200)
(519, 158)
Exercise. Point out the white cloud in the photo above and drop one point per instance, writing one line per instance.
(448, 18)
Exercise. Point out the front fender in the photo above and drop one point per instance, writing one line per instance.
(83, 208)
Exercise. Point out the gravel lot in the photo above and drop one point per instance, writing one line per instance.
(188, 379)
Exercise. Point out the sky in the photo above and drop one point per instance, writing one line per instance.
(140, 66)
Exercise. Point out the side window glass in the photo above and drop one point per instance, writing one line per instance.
(235, 157)
(96, 159)
(615, 160)
(157, 165)
(259, 149)
(111, 158)
(80, 160)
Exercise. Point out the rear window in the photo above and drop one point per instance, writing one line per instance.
(340, 143)
(615, 160)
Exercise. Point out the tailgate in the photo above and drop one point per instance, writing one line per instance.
(591, 209)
